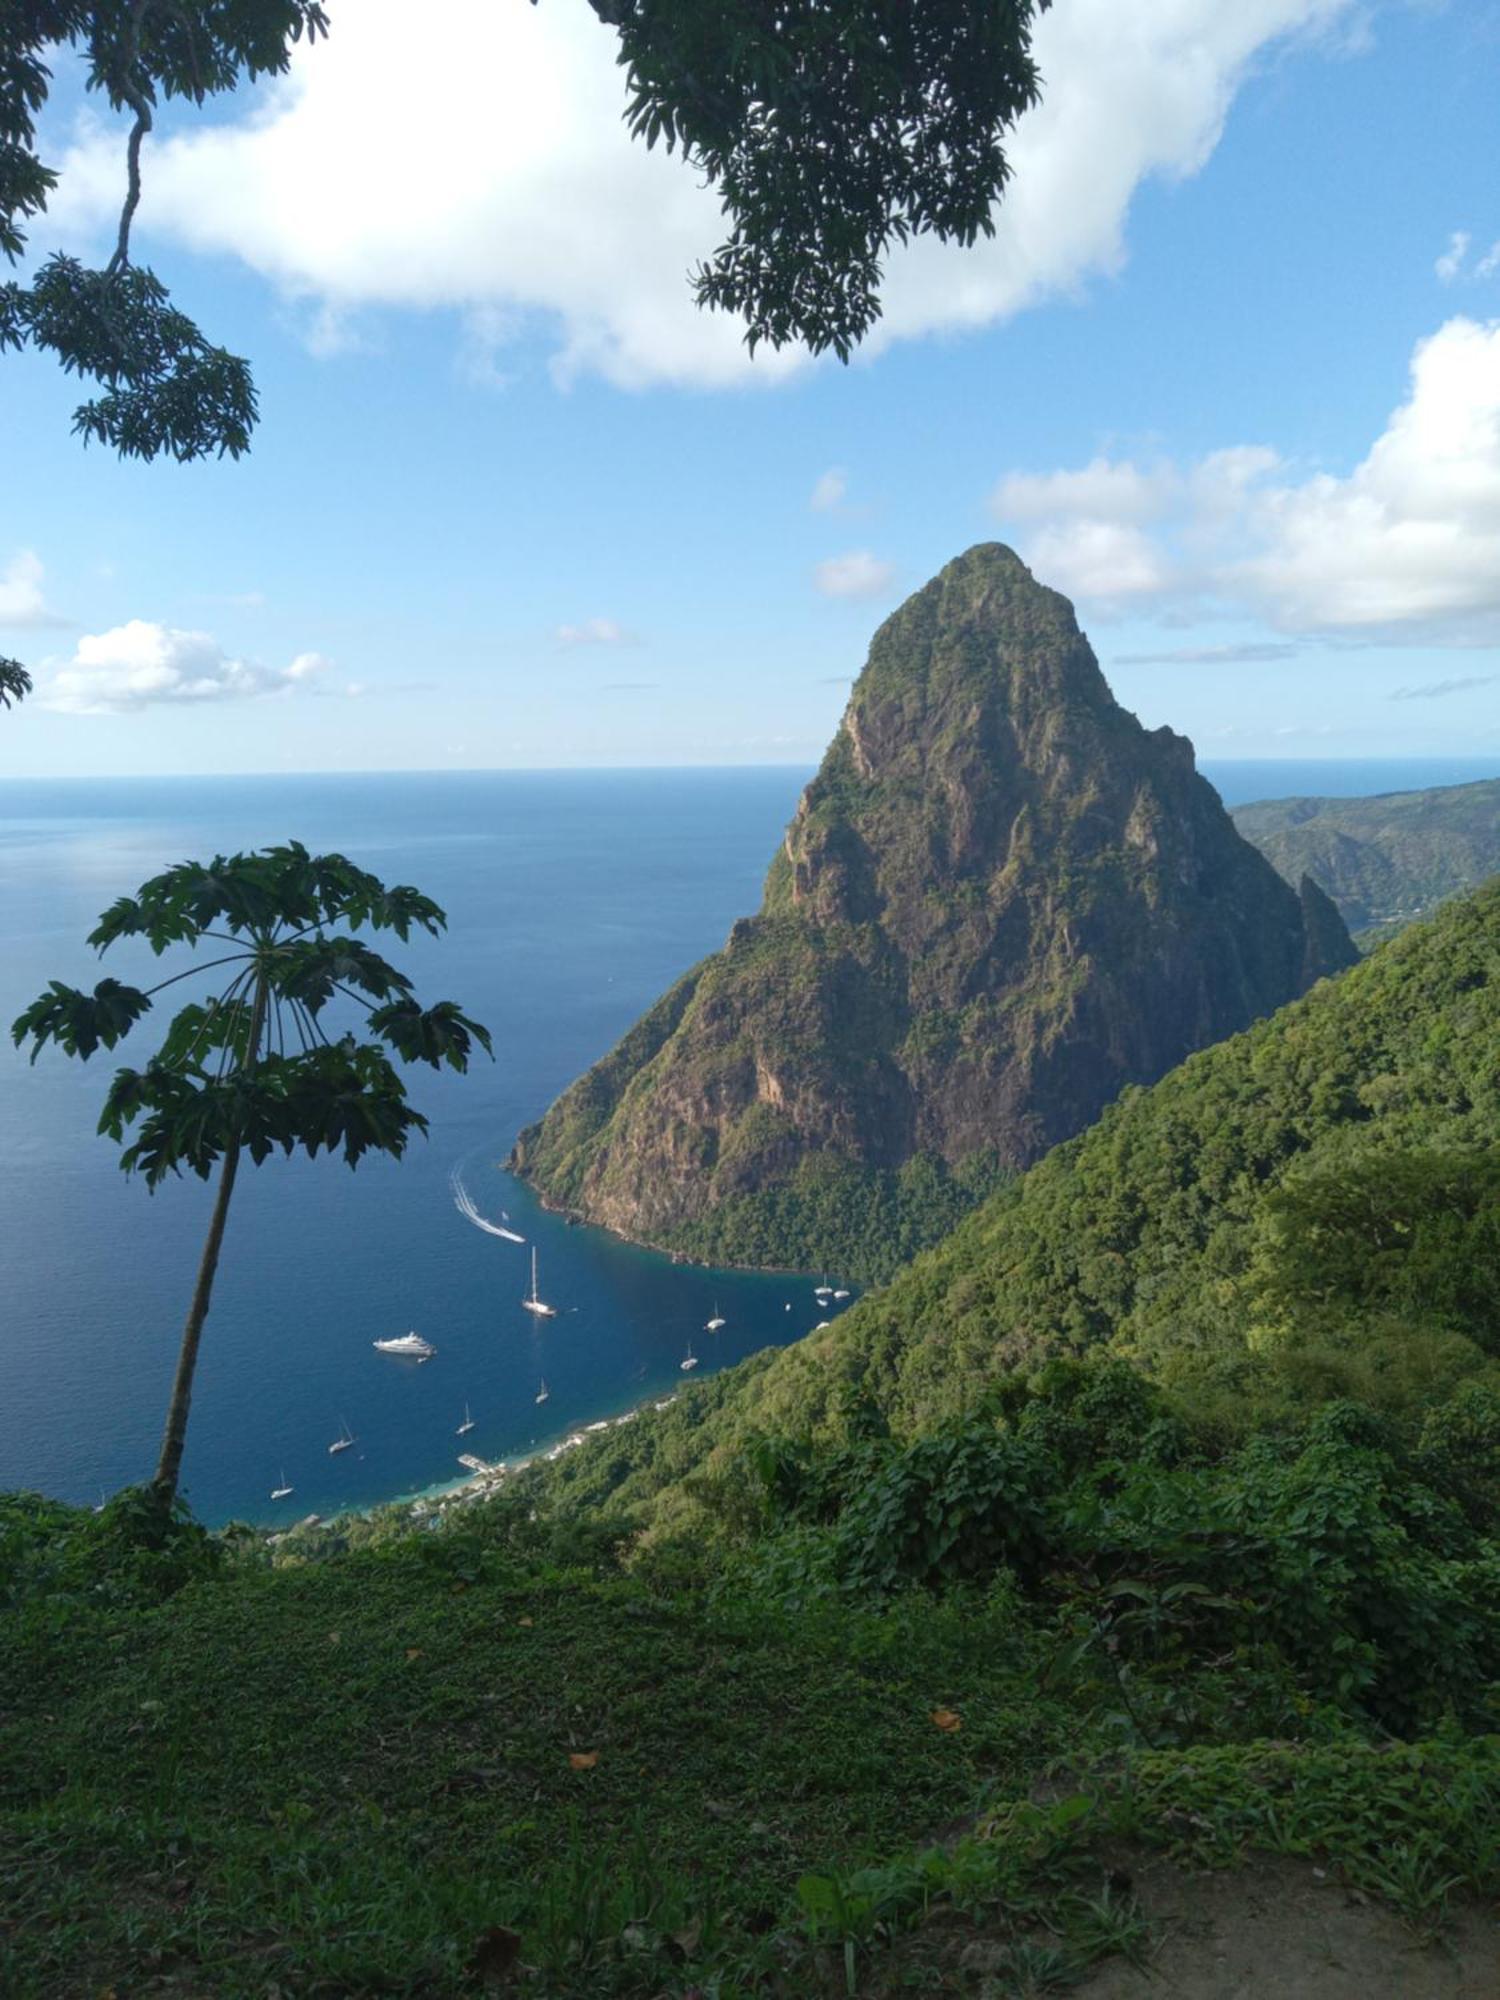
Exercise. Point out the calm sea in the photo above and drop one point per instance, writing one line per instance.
(573, 899)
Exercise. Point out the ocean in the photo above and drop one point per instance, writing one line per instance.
(573, 899)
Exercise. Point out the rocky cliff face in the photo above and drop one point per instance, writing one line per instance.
(999, 901)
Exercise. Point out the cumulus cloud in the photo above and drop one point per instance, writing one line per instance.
(1434, 690)
(540, 209)
(593, 632)
(829, 490)
(142, 665)
(22, 602)
(1407, 543)
(857, 574)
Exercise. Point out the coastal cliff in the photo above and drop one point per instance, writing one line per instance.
(999, 901)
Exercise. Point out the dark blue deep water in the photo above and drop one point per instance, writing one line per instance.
(573, 900)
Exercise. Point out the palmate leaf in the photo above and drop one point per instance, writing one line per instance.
(310, 971)
(347, 1098)
(80, 1022)
(438, 1034)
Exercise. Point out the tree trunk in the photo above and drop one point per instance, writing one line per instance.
(174, 1437)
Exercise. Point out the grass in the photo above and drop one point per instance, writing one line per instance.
(342, 1776)
(438, 1767)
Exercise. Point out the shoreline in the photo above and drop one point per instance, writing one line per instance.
(430, 1504)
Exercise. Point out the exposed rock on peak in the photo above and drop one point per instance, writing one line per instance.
(1000, 900)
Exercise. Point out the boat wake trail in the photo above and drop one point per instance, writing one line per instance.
(463, 1201)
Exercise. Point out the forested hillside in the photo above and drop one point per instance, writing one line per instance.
(1311, 1207)
(1383, 860)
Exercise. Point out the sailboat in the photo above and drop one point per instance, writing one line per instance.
(841, 1293)
(282, 1491)
(544, 1392)
(344, 1439)
(535, 1303)
(690, 1360)
(466, 1426)
(718, 1320)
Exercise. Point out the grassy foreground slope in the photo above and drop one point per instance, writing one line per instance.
(1310, 1208)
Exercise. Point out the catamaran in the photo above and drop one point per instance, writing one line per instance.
(535, 1303)
(690, 1360)
(344, 1439)
(718, 1320)
(466, 1426)
(282, 1491)
(544, 1392)
(409, 1344)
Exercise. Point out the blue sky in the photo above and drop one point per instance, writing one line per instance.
(1229, 376)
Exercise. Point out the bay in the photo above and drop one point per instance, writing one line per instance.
(574, 899)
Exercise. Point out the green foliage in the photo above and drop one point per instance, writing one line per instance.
(15, 682)
(905, 111)
(166, 389)
(1326, 1557)
(1409, 1232)
(222, 1077)
(833, 1215)
(58, 1562)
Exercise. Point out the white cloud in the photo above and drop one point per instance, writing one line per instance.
(539, 208)
(1451, 262)
(594, 632)
(1102, 490)
(1408, 542)
(829, 490)
(1489, 263)
(142, 664)
(22, 603)
(857, 574)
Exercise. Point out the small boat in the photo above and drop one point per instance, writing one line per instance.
(718, 1320)
(821, 1324)
(466, 1426)
(344, 1439)
(690, 1361)
(544, 1392)
(841, 1294)
(282, 1491)
(412, 1345)
(535, 1303)
(822, 1291)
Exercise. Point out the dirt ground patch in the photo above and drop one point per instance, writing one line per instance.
(1281, 1930)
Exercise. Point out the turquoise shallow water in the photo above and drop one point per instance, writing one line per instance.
(573, 899)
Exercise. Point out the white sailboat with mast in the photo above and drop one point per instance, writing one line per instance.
(344, 1440)
(535, 1303)
(466, 1426)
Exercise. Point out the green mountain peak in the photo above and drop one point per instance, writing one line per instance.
(999, 900)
